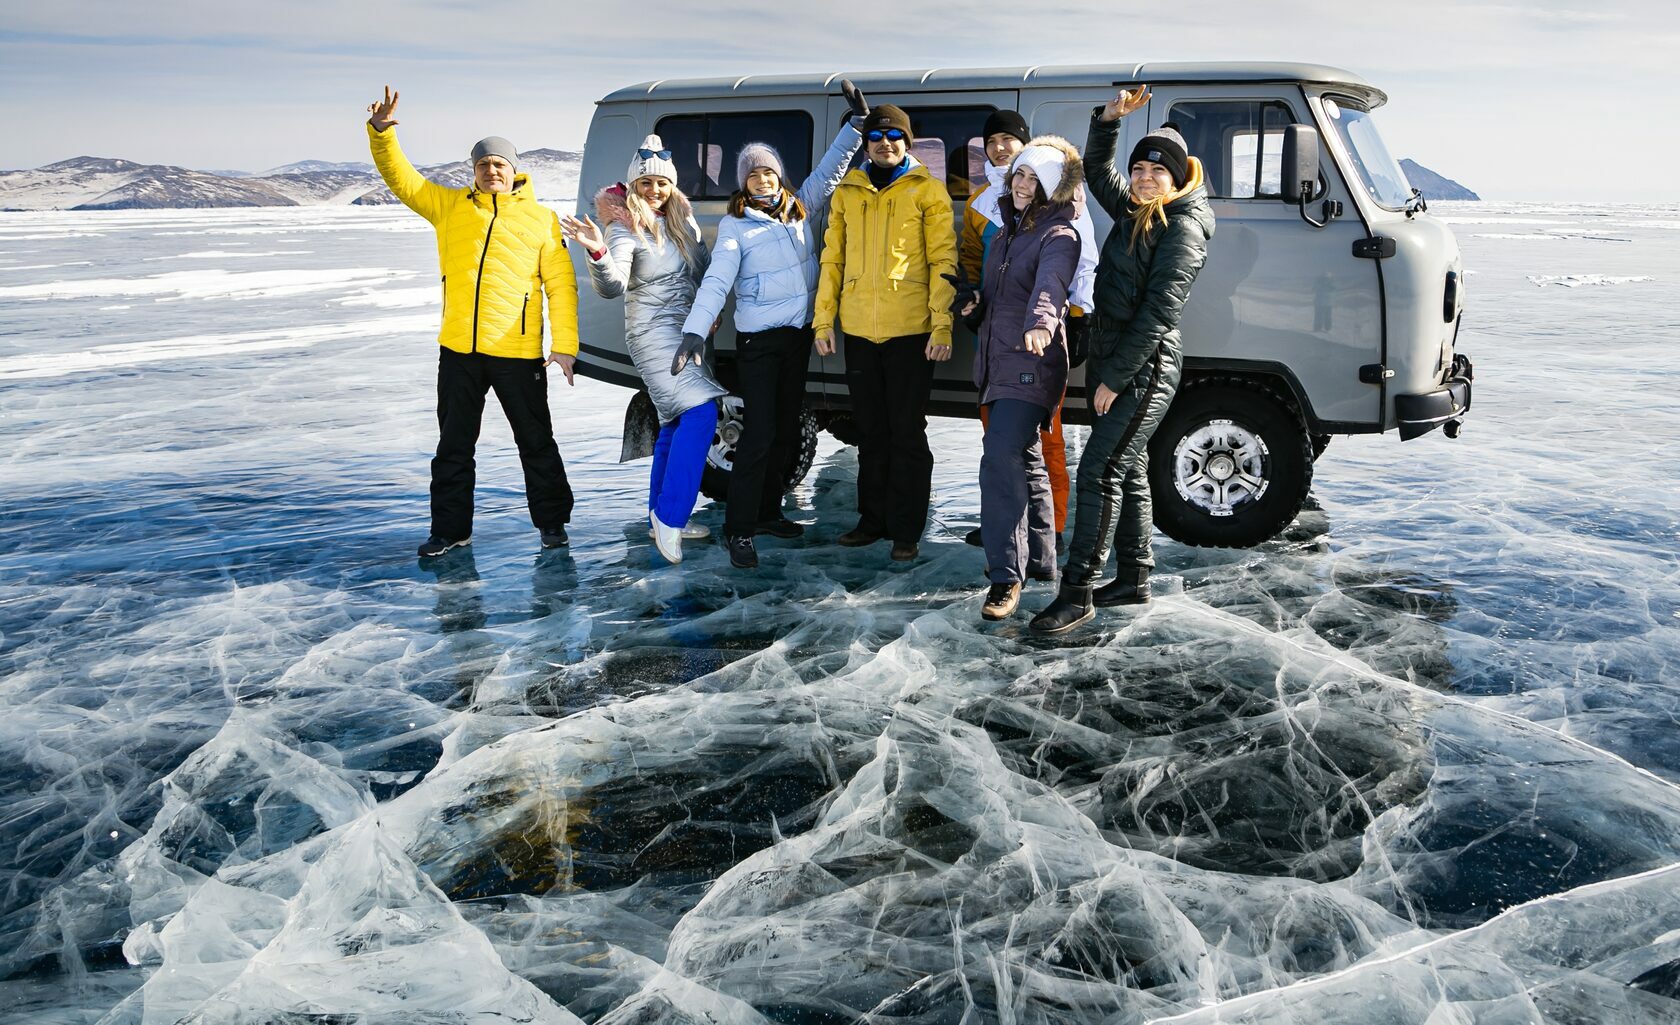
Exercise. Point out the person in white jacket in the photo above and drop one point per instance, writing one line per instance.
(766, 253)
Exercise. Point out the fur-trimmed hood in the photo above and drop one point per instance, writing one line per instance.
(611, 206)
(1043, 150)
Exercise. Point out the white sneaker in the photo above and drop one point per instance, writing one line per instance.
(692, 532)
(667, 539)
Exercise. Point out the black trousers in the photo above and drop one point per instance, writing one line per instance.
(521, 387)
(770, 366)
(890, 382)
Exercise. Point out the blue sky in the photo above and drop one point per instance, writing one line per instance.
(1508, 98)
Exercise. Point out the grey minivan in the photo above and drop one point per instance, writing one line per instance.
(1330, 302)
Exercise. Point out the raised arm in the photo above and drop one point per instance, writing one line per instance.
(821, 182)
(720, 278)
(1108, 183)
(412, 189)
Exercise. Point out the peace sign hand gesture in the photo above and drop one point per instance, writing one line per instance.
(1127, 101)
(381, 113)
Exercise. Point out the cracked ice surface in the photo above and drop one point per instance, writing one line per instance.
(1415, 762)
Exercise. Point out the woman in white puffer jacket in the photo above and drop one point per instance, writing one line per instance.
(766, 253)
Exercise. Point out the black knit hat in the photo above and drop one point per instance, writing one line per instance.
(888, 116)
(1164, 146)
(1008, 122)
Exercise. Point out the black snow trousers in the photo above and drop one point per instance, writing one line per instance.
(521, 385)
(770, 367)
(890, 383)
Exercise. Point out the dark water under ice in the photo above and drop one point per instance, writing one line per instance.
(1417, 761)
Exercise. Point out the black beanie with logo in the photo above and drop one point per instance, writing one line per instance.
(1164, 146)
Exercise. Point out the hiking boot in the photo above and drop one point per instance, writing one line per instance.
(857, 537)
(1001, 601)
(781, 527)
(667, 539)
(904, 551)
(1129, 587)
(742, 553)
(555, 537)
(437, 544)
(1071, 608)
(973, 538)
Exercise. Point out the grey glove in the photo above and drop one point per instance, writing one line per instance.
(860, 106)
(693, 347)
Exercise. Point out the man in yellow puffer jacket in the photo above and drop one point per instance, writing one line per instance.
(499, 252)
(890, 241)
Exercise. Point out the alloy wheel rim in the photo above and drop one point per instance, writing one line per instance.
(1221, 467)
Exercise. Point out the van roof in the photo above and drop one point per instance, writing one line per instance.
(1094, 76)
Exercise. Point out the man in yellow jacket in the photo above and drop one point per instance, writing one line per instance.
(499, 252)
(889, 245)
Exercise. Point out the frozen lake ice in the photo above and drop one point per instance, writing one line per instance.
(1416, 761)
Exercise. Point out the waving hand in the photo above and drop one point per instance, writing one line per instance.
(1127, 101)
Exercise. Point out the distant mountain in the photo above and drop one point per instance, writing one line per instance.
(101, 183)
(1432, 185)
(310, 166)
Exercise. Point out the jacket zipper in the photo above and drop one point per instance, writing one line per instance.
(478, 286)
(522, 304)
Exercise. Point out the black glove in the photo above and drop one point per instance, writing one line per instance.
(1078, 339)
(693, 347)
(966, 293)
(860, 106)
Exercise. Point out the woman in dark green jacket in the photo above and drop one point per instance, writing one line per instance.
(1162, 223)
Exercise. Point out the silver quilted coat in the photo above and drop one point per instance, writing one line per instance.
(658, 289)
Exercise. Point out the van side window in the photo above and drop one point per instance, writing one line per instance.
(1239, 142)
(704, 147)
(948, 142)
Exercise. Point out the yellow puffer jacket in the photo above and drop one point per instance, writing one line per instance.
(883, 258)
(499, 253)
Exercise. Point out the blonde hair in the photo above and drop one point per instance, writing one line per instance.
(678, 220)
(1146, 215)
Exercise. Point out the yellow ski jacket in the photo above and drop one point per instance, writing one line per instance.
(499, 253)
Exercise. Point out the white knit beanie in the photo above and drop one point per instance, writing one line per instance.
(1047, 162)
(758, 154)
(641, 167)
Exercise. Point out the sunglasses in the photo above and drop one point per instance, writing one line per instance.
(891, 134)
(649, 154)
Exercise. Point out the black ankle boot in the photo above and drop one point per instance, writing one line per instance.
(1129, 587)
(1071, 607)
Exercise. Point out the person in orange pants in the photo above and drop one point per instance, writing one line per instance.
(1006, 134)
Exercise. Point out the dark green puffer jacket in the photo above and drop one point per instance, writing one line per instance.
(1141, 289)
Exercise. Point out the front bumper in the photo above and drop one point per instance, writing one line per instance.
(1420, 414)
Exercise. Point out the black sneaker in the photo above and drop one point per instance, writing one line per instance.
(437, 544)
(780, 527)
(742, 553)
(555, 537)
(857, 537)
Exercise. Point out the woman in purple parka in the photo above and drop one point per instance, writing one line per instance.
(1021, 364)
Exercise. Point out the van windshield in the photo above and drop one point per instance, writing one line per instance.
(1377, 169)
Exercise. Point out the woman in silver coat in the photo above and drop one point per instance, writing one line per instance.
(652, 254)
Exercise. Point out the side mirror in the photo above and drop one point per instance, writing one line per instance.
(1300, 163)
(1300, 171)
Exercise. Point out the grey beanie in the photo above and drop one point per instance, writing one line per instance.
(495, 146)
(758, 154)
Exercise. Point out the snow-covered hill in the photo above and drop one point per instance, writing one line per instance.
(101, 183)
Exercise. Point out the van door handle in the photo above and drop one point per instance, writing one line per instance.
(1377, 247)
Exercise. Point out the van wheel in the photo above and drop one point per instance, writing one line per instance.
(843, 427)
(1230, 465)
(720, 458)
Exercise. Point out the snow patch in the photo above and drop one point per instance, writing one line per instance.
(1577, 280)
